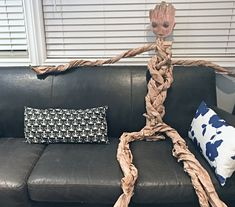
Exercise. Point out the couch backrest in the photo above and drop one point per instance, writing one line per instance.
(121, 88)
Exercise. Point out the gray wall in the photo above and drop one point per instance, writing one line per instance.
(225, 87)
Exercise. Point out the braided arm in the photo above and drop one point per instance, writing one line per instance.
(76, 63)
(216, 67)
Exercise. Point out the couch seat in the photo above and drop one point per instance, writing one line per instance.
(77, 173)
(164, 180)
(16, 162)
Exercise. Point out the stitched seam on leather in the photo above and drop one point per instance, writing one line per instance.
(215, 98)
(32, 185)
(24, 184)
(14, 188)
(33, 166)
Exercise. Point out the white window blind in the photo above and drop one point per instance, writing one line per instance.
(13, 40)
(91, 29)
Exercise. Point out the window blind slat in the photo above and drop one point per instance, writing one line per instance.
(18, 22)
(15, 3)
(109, 53)
(12, 29)
(137, 20)
(121, 2)
(15, 9)
(12, 47)
(135, 7)
(180, 13)
(118, 40)
(123, 46)
(97, 35)
(7, 35)
(16, 16)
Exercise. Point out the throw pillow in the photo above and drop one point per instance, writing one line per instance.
(65, 125)
(215, 139)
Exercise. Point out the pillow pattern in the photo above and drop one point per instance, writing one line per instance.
(215, 139)
(65, 125)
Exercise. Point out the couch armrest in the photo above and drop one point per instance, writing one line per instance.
(229, 118)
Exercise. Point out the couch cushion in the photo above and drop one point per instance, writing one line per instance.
(16, 162)
(77, 173)
(163, 180)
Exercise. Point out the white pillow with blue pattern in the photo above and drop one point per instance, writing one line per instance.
(215, 139)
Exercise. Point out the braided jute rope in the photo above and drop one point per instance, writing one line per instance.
(216, 67)
(41, 70)
(76, 63)
(160, 67)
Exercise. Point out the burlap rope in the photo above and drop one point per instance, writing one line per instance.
(76, 63)
(41, 70)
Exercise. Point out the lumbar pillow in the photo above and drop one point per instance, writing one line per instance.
(215, 139)
(65, 125)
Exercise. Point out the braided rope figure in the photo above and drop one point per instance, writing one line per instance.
(160, 67)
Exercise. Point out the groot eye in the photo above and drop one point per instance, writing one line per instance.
(154, 24)
(166, 24)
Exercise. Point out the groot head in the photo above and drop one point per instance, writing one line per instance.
(162, 18)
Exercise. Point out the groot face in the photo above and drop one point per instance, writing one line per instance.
(162, 18)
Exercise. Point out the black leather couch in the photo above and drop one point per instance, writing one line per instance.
(68, 175)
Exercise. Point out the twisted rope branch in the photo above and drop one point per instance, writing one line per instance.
(76, 63)
(214, 66)
(160, 67)
(41, 70)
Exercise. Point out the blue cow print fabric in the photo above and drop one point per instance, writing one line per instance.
(215, 139)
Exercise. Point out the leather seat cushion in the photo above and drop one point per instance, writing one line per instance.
(16, 162)
(163, 180)
(77, 173)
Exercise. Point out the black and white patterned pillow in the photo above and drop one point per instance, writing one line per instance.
(65, 125)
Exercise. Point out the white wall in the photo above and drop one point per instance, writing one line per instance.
(225, 87)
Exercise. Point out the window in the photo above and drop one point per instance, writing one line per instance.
(93, 29)
(13, 39)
